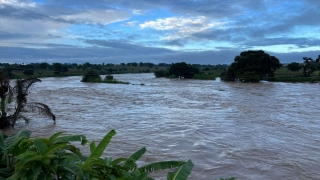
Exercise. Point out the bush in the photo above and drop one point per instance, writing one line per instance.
(161, 73)
(23, 157)
(109, 77)
(204, 76)
(91, 76)
(294, 66)
(183, 69)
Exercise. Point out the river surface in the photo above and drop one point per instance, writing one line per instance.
(259, 131)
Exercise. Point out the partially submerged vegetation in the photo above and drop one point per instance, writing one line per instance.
(183, 70)
(254, 66)
(57, 158)
(93, 76)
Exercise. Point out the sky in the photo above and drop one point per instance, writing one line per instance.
(163, 31)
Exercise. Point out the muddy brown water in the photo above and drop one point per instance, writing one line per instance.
(249, 131)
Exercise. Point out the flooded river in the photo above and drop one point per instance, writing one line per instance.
(249, 131)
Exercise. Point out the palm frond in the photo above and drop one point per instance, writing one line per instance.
(27, 83)
(21, 88)
(43, 109)
(27, 120)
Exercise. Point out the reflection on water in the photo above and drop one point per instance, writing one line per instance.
(247, 131)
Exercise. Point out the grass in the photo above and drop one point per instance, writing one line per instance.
(284, 75)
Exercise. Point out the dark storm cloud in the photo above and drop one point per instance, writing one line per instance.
(300, 42)
(70, 54)
(129, 48)
(7, 35)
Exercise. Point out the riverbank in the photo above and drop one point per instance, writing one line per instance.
(281, 75)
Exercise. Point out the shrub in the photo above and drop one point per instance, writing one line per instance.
(23, 157)
(204, 76)
(161, 73)
(109, 77)
(294, 66)
(91, 76)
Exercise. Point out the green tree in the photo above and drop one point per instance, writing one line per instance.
(294, 66)
(252, 64)
(17, 95)
(310, 66)
(57, 67)
(44, 65)
(65, 68)
(183, 69)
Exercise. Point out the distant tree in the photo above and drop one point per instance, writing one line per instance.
(87, 64)
(57, 67)
(43, 65)
(28, 72)
(310, 65)
(163, 64)
(161, 73)
(294, 66)
(79, 66)
(252, 64)
(183, 69)
(65, 68)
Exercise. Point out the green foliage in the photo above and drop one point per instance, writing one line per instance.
(294, 66)
(252, 63)
(108, 77)
(204, 76)
(57, 67)
(56, 157)
(182, 172)
(183, 70)
(161, 73)
(91, 76)
(28, 72)
(310, 66)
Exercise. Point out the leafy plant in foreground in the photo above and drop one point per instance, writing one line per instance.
(56, 158)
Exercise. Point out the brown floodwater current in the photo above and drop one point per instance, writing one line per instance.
(263, 130)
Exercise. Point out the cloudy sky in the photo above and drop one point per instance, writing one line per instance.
(164, 31)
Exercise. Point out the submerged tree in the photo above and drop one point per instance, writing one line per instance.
(183, 69)
(16, 98)
(252, 66)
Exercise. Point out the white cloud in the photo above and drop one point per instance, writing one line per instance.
(98, 16)
(130, 23)
(183, 27)
(17, 4)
